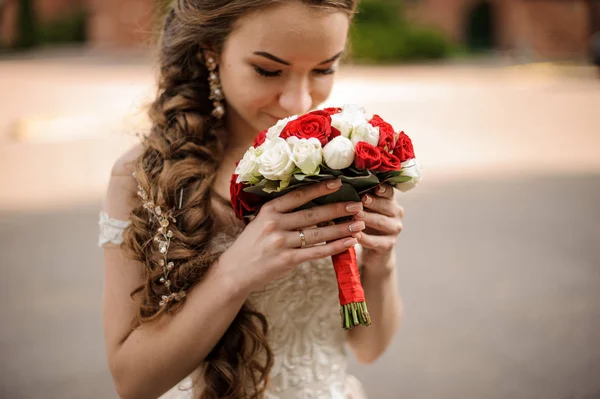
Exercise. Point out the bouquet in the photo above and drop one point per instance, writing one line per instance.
(364, 152)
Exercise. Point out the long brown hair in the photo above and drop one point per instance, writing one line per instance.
(184, 150)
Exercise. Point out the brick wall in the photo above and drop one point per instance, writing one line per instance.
(122, 23)
(548, 28)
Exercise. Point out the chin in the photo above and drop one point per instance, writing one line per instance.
(271, 120)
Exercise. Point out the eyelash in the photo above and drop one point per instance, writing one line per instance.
(274, 74)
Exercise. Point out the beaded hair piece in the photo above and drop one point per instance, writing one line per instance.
(163, 239)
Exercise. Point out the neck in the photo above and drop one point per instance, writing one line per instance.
(240, 134)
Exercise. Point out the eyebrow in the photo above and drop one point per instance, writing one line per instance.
(280, 61)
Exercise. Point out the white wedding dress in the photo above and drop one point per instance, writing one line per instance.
(305, 331)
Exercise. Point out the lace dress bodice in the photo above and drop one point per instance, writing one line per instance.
(305, 332)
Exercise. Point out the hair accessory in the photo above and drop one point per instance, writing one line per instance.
(216, 92)
(163, 240)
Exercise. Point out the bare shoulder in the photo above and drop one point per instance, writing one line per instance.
(122, 187)
(124, 165)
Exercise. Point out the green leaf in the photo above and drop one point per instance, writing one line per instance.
(327, 171)
(386, 175)
(271, 186)
(357, 172)
(346, 193)
(361, 183)
(257, 190)
(398, 180)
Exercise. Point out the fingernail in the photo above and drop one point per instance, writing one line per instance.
(350, 242)
(368, 199)
(354, 207)
(356, 226)
(360, 214)
(380, 190)
(334, 184)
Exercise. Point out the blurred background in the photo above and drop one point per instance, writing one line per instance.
(500, 258)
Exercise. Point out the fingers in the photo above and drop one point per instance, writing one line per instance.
(297, 256)
(318, 214)
(377, 243)
(324, 234)
(382, 223)
(381, 205)
(302, 195)
(385, 191)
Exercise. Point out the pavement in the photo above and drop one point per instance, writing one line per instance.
(500, 258)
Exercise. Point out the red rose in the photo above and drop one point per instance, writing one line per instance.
(333, 110)
(386, 133)
(243, 203)
(389, 162)
(262, 136)
(315, 124)
(367, 156)
(404, 148)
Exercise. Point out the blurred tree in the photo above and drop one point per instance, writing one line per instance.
(69, 28)
(27, 23)
(381, 33)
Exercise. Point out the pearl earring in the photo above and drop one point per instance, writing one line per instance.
(216, 92)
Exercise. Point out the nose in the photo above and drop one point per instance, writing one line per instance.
(295, 97)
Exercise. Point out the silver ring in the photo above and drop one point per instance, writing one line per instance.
(350, 228)
(302, 239)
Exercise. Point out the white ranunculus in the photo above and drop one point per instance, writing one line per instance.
(247, 169)
(307, 154)
(275, 162)
(410, 168)
(365, 132)
(339, 153)
(275, 131)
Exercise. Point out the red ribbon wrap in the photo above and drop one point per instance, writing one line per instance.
(346, 270)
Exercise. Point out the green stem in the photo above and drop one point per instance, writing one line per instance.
(355, 314)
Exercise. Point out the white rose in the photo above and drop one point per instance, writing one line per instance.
(410, 168)
(342, 123)
(307, 154)
(275, 131)
(339, 153)
(247, 169)
(356, 113)
(348, 118)
(275, 161)
(365, 132)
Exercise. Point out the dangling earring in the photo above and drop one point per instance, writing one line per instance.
(216, 92)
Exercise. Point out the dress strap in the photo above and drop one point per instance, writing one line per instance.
(111, 230)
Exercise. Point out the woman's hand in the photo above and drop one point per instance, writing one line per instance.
(271, 245)
(383, 220)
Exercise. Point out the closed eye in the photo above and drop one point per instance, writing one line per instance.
(273, 74)
(267, 73)
(328, 71)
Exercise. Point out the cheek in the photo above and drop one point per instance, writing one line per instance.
(243, 90)
(321, 90)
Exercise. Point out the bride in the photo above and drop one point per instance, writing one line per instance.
(197, 304)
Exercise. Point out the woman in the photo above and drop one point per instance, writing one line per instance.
(228, 310)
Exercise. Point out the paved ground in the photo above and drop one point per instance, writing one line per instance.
(501, 248)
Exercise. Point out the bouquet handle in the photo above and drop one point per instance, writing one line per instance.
(353, 307)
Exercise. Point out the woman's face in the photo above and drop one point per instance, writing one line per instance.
(279, 62)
